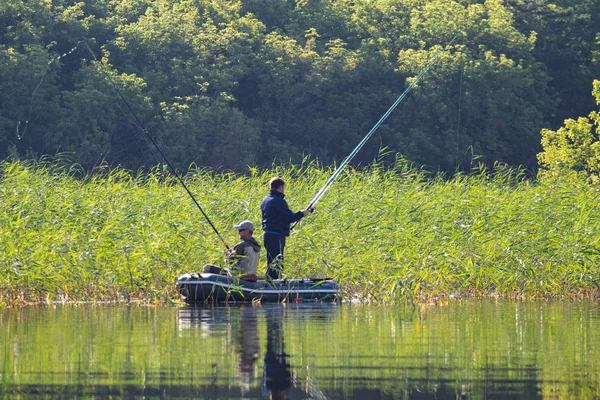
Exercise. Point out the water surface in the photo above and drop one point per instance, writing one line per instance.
(471, 350)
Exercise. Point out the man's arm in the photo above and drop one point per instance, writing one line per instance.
(239, 249)
(288, 215)
(235, 253)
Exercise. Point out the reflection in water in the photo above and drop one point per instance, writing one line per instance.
(466, 350)
(243, 325)
(276, 377)
(245, 321)
(249, 347)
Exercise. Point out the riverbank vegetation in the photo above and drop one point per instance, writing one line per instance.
(228, 84)
(384, 233)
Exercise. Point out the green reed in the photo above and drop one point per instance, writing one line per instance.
(385, 234)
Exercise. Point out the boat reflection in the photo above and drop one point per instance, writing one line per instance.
(242, 326)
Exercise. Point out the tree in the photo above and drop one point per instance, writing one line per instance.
(487, 93)
(284, 79)
(565, 30)
(575, 147)
(27, 101)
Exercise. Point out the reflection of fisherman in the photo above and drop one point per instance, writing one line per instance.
(243, 257)
(276, 377)
(249, 346)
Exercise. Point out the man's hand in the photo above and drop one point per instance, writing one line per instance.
(308, 211)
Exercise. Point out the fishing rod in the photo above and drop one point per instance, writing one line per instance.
(159, 150)
(21, 133)
(362, 142)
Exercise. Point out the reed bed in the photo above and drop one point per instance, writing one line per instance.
(390, 234)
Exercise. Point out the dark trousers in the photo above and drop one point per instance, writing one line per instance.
(274, 245)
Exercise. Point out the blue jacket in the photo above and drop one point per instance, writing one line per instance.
(276, 215)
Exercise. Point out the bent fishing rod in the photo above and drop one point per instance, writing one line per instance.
(366, 138)
(159, 150)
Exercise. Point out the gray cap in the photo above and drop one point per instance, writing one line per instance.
(245, 225)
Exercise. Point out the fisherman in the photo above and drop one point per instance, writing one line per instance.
(276, 220)
(243, 258)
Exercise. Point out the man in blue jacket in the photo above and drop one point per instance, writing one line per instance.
(276, 220)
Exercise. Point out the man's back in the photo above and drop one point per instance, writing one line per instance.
(276, 215)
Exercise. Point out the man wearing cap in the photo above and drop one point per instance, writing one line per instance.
(244, 255)
(276, 220)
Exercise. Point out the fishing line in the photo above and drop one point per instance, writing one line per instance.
(20, 133)
(460, 90)
(159, 149)
(383, 118)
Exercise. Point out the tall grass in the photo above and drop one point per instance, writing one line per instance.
(385, 234)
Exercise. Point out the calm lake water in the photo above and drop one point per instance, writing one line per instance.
(472, 350)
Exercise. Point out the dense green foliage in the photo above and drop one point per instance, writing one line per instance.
(232, 83)
(574, 149)
(385, 235)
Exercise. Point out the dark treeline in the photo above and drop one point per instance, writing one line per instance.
(231, 83)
